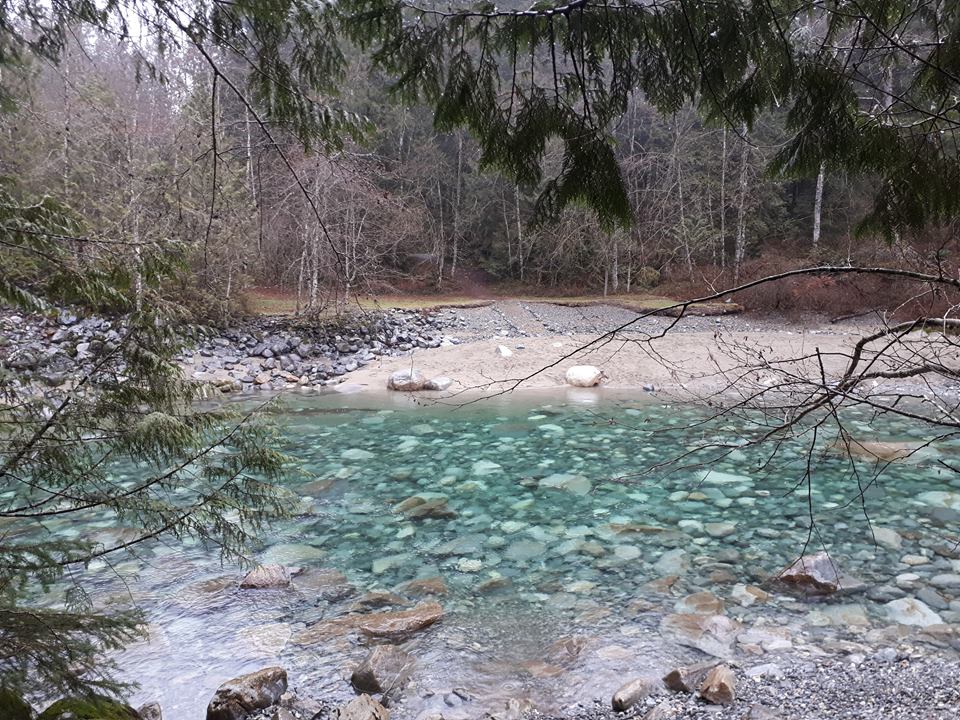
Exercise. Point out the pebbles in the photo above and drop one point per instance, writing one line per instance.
(260, 354)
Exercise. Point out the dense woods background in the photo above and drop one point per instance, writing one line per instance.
(174, 164)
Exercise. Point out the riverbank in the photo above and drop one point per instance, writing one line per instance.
(485, 349)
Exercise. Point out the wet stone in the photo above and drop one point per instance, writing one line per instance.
(386, 668)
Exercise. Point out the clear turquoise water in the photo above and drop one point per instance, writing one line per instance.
(578, 558)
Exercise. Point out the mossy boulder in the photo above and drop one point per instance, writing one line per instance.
(13, 707)
(94, 707)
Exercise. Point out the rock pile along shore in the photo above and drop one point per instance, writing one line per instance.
(258, 354)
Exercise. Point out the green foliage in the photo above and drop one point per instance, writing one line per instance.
(517, 79)
(13, 707)
(94, 707)
(207, 475)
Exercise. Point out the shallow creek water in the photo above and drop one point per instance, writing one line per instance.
(552, 558)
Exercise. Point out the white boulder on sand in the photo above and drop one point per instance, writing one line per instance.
(410, 380)
(585, 376)
(438, 383)
(407, 380)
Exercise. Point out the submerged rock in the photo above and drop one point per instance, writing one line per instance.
(425, 586)
(425, 505)
(266, 577)
(241, 696)
(888, 538)
(747, 595)
(701, 603)
(713, 634)
(384, 669)
(576, 484)
(910, 611)
(584, 376)
(813, 574)
(401, 622)
(719, 686)
(523, 550)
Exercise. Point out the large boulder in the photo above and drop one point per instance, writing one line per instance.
(150, 711)
(362, 708)
(438, 383)
(407, 380)
(712, 634)
(385, 668)
(401, 622)
(585, 376)
(237, 698)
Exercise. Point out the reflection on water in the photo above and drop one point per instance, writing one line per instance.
(556, 569)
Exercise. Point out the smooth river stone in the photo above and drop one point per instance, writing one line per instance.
(946, 580)
(940, 498)
(910, 611)
(576, 484)
(701, 603)
(672, 562)
(293, 554)
(715, 477)
(356, 454)
(713, 634)
(522, 550)
(401, 622)
(720, 529)
(626, 552)
(887, 538)
(486, 467)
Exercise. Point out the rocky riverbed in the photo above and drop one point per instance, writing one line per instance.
(502, 554)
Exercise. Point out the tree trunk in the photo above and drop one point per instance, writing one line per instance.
(723, 199)
(440, 245)
(520, 252)
(818, 207)
(251, 179)
(615, 268)
(741, 241)
(456, 206)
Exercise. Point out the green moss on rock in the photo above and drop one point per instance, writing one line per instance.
(89, 708)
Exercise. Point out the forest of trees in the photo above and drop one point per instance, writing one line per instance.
(175, 163)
